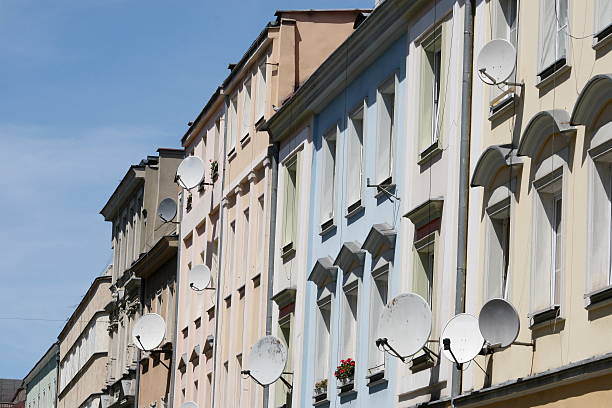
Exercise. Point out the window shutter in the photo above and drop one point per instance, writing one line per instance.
(426, 102)
(445, 53)
(328, 181)
(603, 15)
(386, 111)
(355, 143)
(541, 254)
(561, 20)
(548, 33)
(495, 261)
(261, 90)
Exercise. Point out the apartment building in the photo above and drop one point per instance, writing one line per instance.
(540, 204)
(83, 349)
(41, 382)
(137, 236)
(200, 244)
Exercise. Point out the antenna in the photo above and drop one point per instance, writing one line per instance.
(495, 62)
(199, 278)
(167, 209)
(461, 339)
(190, 172)
(266, 361)
(499, 323)
(149, 331)
(404, 326)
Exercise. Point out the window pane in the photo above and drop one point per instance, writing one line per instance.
(355, 157)
(386, 111)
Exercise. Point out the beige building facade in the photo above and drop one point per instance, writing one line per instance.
(540, 205)
(136, 235)
(83, 349)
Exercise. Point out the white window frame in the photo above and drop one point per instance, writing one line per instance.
(376, 358)
(290, 223)
(501, 10)
(261, 93)
(561, 39)
(386, 129)
(329, 171)
(247, 107)
(232, 124)
(323, 337)
(350, 321)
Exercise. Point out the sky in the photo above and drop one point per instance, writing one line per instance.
(87, 88)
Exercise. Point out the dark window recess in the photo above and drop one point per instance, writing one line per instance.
(327, 224)
(551, 69)
(354, 206)
(604, 33)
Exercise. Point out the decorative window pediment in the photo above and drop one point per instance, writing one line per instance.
(426, 212)
(195, 353)
(596, 93)
(491, 161)
(543, 125)
(380, 238)
(350, 257)
(285, 297)
(323, 272)
(208, 345)
(182, 364)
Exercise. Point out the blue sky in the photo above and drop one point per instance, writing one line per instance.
(87, 88)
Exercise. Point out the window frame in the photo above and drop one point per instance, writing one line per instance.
(388, 86)
(355, 137)
(327, 221)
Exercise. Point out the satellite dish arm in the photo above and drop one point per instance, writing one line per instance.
(290, 386)
(389, 349)
(141, 345)
(248, 373)
(194, 287)
(447, 346)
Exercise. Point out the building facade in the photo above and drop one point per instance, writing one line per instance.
(41, 382)
(137, 236)
(286, 52)
(83, 349)
(540, 204)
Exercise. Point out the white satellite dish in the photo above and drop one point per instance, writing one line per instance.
(189, 404)
(149, 332)
(496, 62)
(190, 172)
(199, 277)
(267, 360)
(499, 322)
(465, 339)
(406, 324)
(166, 210)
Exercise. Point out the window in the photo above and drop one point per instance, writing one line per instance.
(246, 108)
(232, 124)
(548, 256)
(498, 249)
(261, 91)
(349, 321)
(283, 393)
(553, 36)
(245, 242)
(231, 244)
(386, 125)
(378, 300)
(431, 85)
(424, 266)
(328, 181)
(355, 160)
(291, 205)
(600, 243)
(603, 18)
(323, 331)
(504, 27)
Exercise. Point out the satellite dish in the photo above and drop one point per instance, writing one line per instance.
(406, 323)
(149, 331)
(167, 209)
(267, 360)
(465, 339)
(190, 172)
(499, 322)
(189, 404)
(199, 277)
(496, 61)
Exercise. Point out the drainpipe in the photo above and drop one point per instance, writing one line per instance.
(170, 402)
(219, 283)
(141, 291)
(464, 173)
(273, 157)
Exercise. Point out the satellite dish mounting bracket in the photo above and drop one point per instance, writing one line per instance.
(194, 287)
(177, 180)
(483, 71)
(389, 349)
(248, 373)
(383, 188)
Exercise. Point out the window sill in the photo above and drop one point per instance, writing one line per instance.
(346, 389)
(420, 363)
(287, 251)
(376, 379)
(543, 318)
(555, 74)
(327, 227)
(320, 399)
(429, 153)
(231, 154)
(354, 209)
(503, 106)
(603, 38)
(598, 298)
(245, 139)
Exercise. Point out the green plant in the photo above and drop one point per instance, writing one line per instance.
(214, 169)
(321, 384)
(346, 369)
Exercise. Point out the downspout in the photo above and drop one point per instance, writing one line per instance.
(141, 291)
(273, 157)
(219, 283)
(170, 402)
(464, 173)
